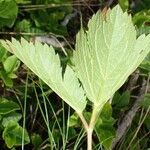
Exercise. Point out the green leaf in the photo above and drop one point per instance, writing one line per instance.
(8, 13)
(23, 26)
(22, 1)
(52, 18)
(143, 30)
(147, 122)
(104, 127)
(124, 100)
(4, 76)
(43, 61)
(73, 120)
(2, 53)
(36, 140)
(141, 18)
(107, 53)
(106, 111)
(12, 135)
(12, 75)
(146, 101)
(10, 63)
(146, 64)
(116, 98)
(124, 4)
(7, 106)
(13, 116)
(121, 101)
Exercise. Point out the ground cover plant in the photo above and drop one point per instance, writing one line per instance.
(96, 64)
(93, 79)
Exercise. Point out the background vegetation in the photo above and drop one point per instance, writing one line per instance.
(32, 116)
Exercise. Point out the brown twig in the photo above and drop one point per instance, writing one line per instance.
(39, 7)
(133, 80)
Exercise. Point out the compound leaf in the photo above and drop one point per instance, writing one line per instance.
(107, 53)
(43, 61)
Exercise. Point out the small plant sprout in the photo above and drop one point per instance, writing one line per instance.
(105, 55)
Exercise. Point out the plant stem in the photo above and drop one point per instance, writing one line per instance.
(90, 127)
(89, 139)
(85, 124)
(95, 114)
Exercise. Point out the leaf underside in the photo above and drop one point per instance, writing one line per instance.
(105, 56)
(107, 53)
(43, 61)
